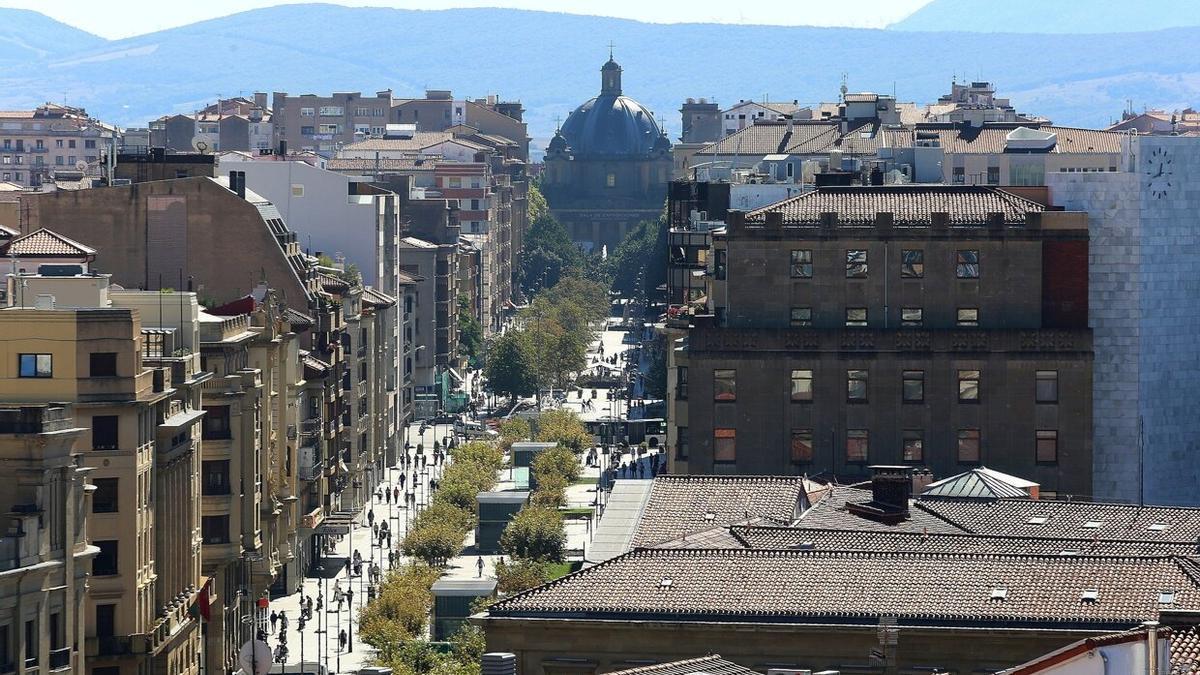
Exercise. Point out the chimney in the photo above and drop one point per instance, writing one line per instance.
(283, 148)
(260, 99)
(1151, 647)
(237, 183)
(891, 489)
(921, 478)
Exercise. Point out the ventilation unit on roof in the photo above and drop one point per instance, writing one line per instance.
(1090, 595)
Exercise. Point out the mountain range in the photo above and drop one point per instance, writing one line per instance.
(1051, 16)
(551, 62)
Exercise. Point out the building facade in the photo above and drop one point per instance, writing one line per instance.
(942, 327)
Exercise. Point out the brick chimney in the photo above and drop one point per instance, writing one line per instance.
(891, 489)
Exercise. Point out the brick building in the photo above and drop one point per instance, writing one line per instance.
(932, 326)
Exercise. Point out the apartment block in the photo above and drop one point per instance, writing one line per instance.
(34, 144)
(322, 123)
(933, 326)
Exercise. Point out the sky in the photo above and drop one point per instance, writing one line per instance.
(124, 18)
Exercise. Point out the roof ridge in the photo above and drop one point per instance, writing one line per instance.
(975, 535)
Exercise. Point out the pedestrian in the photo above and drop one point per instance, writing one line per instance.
(283, 623)
(374, 531)
(274, 621)
(387, 496)
(371, 518)
(378, 495)
(479, 566)
(396, 490)
(309, 604)
(320, 601)
(641, 470)
(342, 640)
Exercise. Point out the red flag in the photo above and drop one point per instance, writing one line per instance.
(201, 606)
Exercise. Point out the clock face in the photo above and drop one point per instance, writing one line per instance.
(1158, 173)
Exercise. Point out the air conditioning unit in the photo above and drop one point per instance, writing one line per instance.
(121, 181)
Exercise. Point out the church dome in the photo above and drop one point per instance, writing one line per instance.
(611, 125)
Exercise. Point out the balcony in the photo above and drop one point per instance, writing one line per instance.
(114, 645)
(312, 472)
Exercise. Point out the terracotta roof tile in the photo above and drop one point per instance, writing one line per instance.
(831, 513)
(683, 505)
(836, 587)
(45, 242)
(910, 205)
(1185, 650)
(1023, 517)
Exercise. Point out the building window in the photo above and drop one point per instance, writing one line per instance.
(1047, 386)
(722, 257)
(297, 190)
(967, 265)
(913, 445)
(993, 175)
(802, 266)
(856, 317)
(968, 386)
(331, 111)
(725, 385)
(681, 443)
(1047, 447)
(214, 477)
(105, 432)
(216, 422)
(58, 143)
(308, 131)
(610, 180)
(959, 175)
(215, 529)
(35, 365)
(103, 364)
(856, 386)
(681, 383)
(856, 263)
(912, 264)
(801, 317)
(105, 562)
(802, 446)
(912, 316)
(802, 385)
(856, 446)
(912, 386)
(725, 445)
(968, 317)
(104, 499)
(968, 446)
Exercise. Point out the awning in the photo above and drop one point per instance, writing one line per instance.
(182, 419)
(456, 375)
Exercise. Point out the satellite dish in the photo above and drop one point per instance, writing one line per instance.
(200, 146)
(81, 165)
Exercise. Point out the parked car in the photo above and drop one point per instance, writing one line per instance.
(474, 430)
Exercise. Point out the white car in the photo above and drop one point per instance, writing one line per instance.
(474, 430)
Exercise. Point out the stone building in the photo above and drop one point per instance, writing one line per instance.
(46, 558)
(607, 167)
(933, 326)
(34, 144)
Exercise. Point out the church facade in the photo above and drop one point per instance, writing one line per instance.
(607, 167)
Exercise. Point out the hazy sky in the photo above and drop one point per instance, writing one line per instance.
(123, 18)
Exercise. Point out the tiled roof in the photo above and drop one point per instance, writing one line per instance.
(419, 141)
(991, 138)
(767, 537)
(332, 284)
(708, 665)
(45, 242)
(682, 505)
(297, 318)
(831, 513)
(837, 587)
(1185, 650)
(424, 162)
(1024, 517)
(716, 537)
(377, 298)
(908, 204)
(774, 137)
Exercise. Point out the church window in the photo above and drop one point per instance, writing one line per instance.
(611, 180)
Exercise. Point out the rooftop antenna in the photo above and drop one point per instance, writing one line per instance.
(844, 88)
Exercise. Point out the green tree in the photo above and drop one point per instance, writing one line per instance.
(656, 378)
(470, 331)
(638, 266)
(537, 203)
(535, 533)
(509, 367)
(548, 250)
(519, 574)
(557, 461)
(400, 609)
(447, 511)
(565, 428)
(435, 543)
(551, 492)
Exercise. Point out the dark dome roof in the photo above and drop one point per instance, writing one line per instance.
(613, 126)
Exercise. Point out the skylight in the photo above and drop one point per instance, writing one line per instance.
(999, 593)
(1166, 597)
(1158, 527)
(665, 583)
(1037, 520)
(1068, 551)
(1093, 524)
(1090, 595)
(710, 516)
